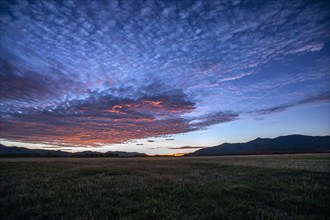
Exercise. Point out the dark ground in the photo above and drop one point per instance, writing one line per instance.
(232, 187)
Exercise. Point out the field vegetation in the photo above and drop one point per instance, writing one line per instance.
(227, 187)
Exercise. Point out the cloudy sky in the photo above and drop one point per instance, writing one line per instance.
(162, 76)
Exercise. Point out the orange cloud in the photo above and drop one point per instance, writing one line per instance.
(154, 103)
(115, 109)
(99, 121)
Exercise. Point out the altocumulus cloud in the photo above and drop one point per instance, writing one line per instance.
(93, 73)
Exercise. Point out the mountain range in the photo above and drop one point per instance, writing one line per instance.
(21, 151)
(279, 145)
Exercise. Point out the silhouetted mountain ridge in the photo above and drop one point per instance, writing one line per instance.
(21, 151)
(4, 150)
(282, 144)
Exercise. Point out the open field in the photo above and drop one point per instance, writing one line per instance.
(232, 187)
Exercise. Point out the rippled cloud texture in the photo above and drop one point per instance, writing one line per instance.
(89, 73)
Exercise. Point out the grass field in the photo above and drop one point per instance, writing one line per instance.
(232, 187)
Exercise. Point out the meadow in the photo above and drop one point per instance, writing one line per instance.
(224, 187)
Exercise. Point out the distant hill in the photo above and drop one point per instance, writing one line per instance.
(16, 151)
(279, 145)
(109, 154)
(25, 152)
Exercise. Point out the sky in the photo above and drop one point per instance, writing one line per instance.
(162, 77)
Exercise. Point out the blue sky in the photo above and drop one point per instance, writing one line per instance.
(162, 76)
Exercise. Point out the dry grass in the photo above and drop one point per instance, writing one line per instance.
(233, 187)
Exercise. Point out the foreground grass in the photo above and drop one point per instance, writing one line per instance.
(233, 187)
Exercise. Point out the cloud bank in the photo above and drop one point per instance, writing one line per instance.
(104, 72)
